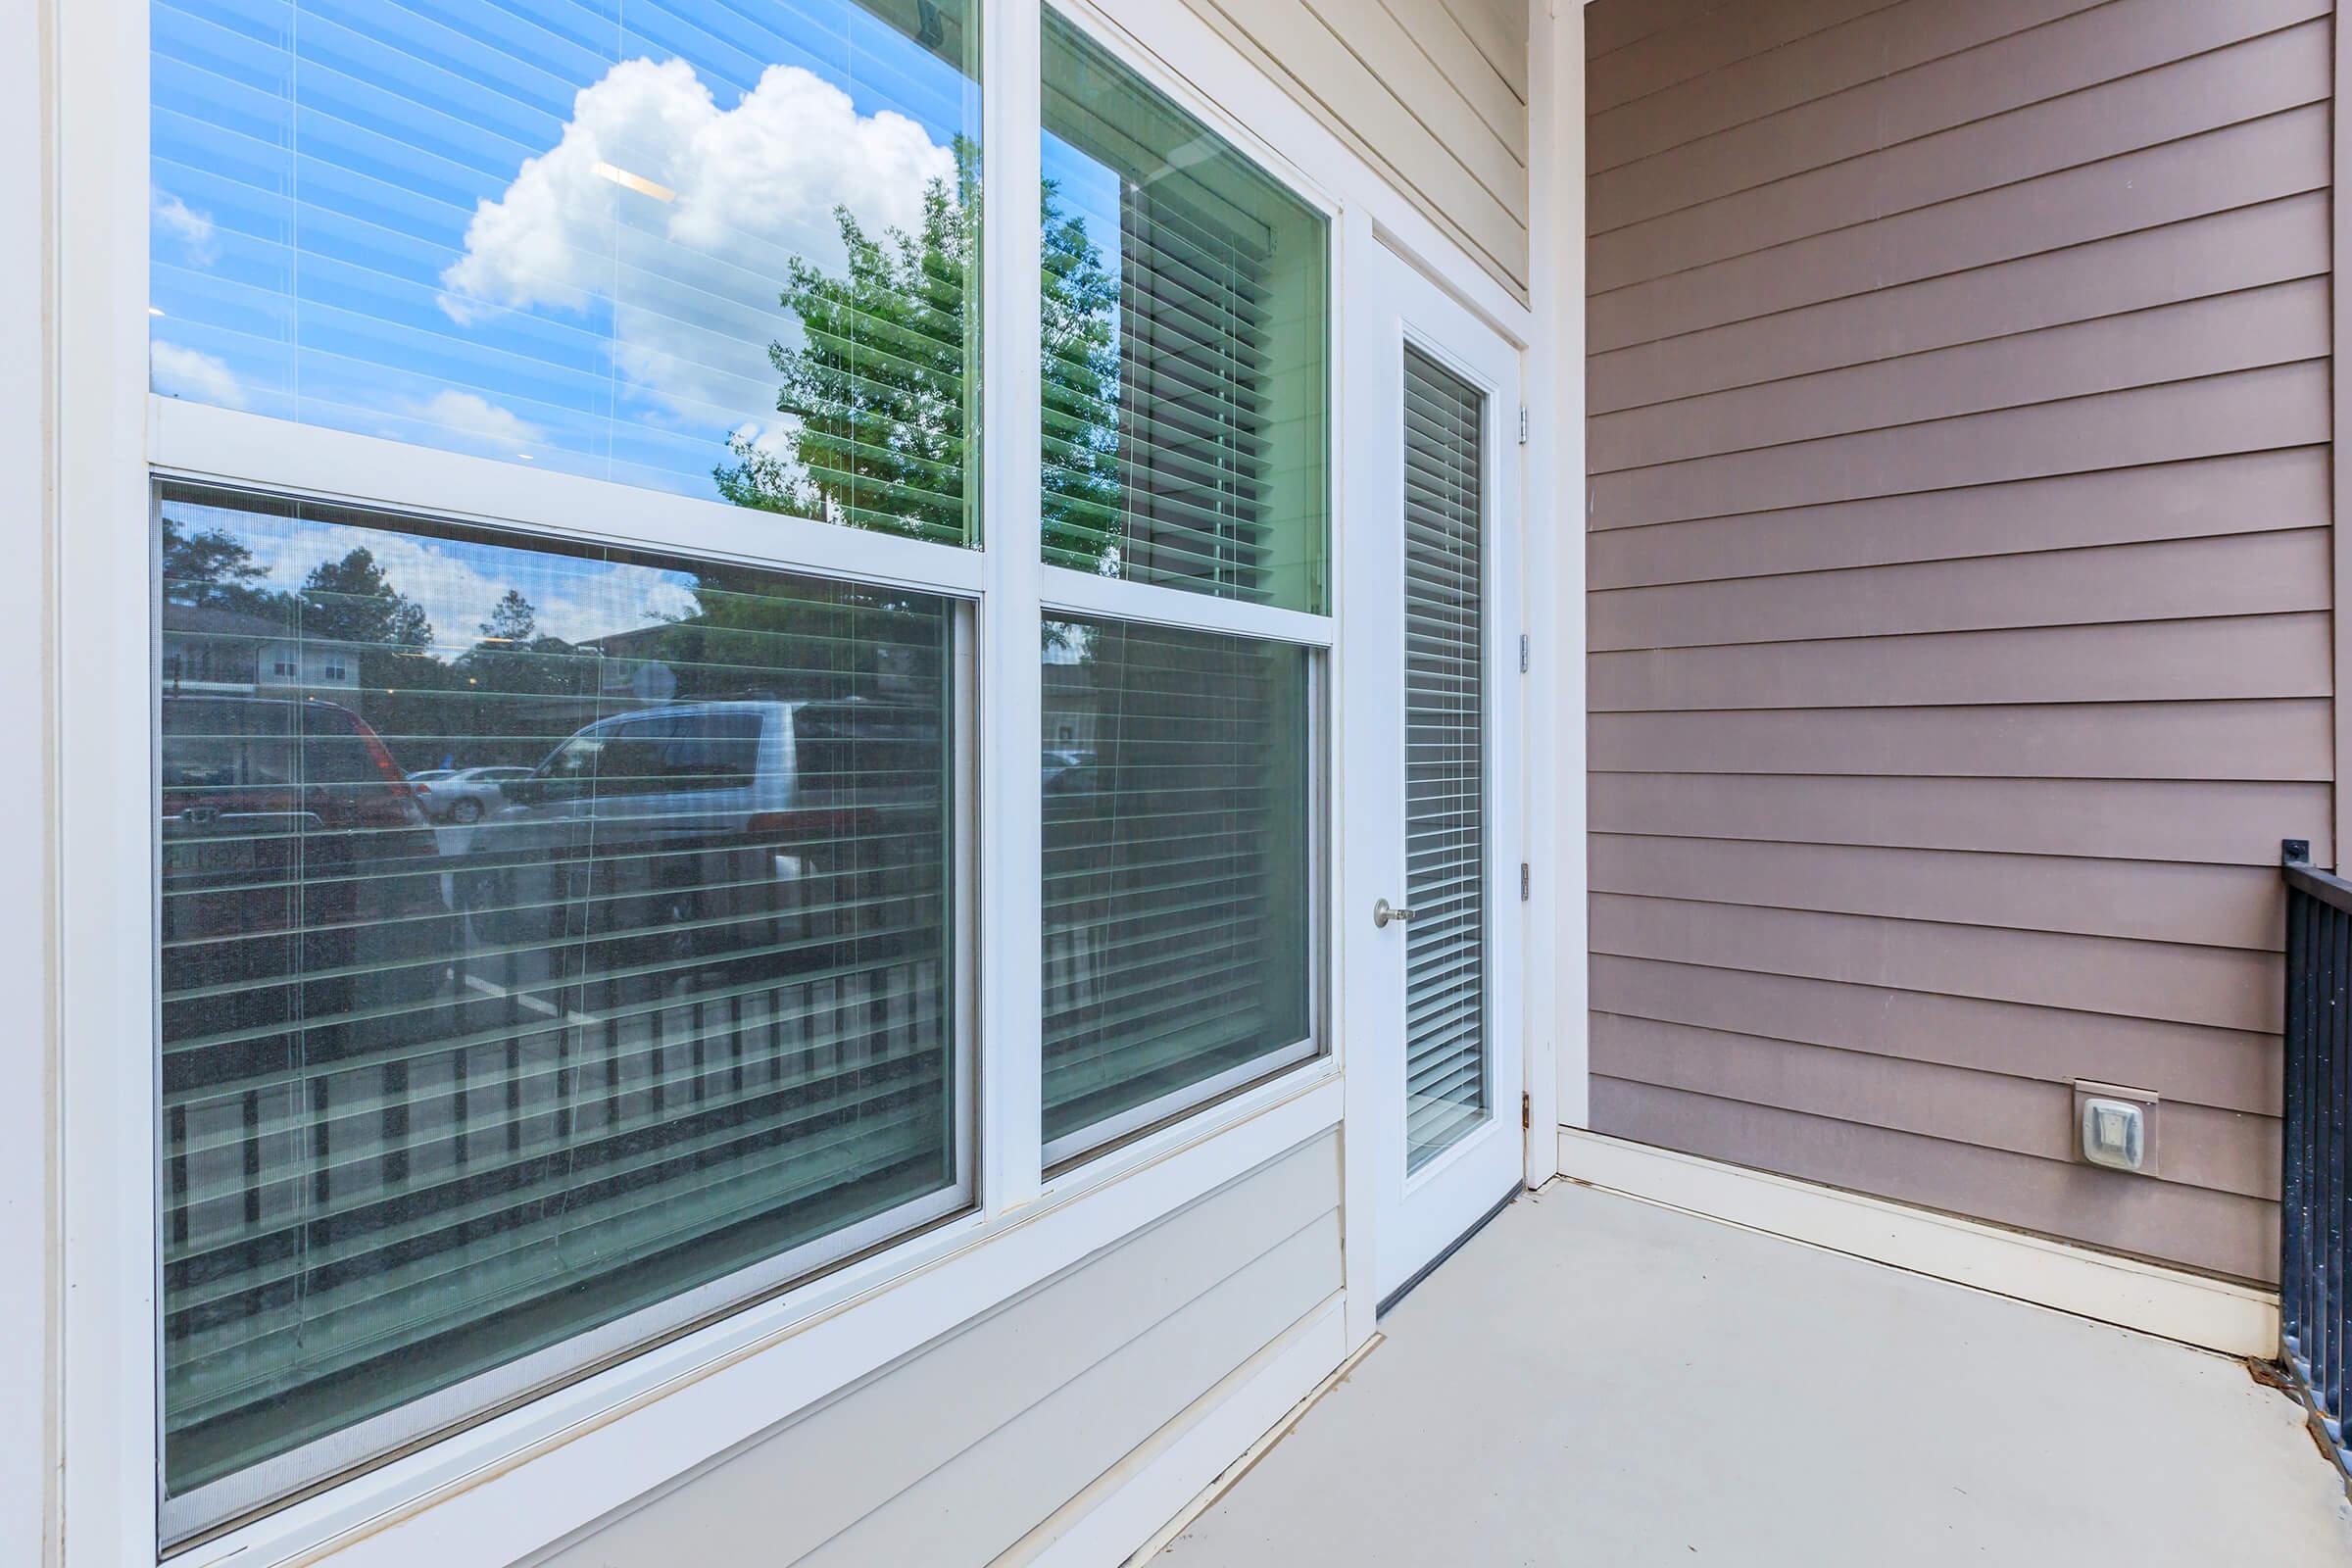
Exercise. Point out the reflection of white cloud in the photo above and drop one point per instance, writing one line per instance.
(476, 421)
(200, 377)
(731, 197)
(768, 440)
(182, 223)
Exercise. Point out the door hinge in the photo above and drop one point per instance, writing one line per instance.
(1527, 1110)
(1522, 424)
(1522, 881)
(1523, 653)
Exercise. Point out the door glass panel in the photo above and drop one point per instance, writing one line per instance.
(1446, 1078)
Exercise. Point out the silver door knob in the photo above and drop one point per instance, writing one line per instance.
(1383, 912)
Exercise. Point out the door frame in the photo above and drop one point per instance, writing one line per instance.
(1400, 1225)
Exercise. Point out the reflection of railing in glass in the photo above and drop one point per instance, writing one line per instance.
(436, 1098)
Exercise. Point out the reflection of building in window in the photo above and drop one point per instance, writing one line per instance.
(210, 647)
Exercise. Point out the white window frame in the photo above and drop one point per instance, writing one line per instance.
(263, 1485)
(532, 1476)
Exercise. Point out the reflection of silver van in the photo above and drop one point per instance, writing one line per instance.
(756, 832)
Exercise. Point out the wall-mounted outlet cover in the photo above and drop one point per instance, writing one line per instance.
(2114, 1126)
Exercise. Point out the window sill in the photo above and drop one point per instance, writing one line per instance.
(527, 1480)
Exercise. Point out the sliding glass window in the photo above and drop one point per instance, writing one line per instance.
(1185, 431)
(1186, 347)
(547, 933)
(1180, 834)
(725, 248)
(563, 893)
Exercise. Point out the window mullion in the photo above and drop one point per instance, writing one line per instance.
(1011, 859)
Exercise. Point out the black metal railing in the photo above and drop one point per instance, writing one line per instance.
(2314, 1303)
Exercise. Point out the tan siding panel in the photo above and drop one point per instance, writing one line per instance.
(2096, 43)
(2271, 242)
(1499, 27)
(1444, 37)
(851, 1457)
(2246, 82)
(1497, 162)
(1410, 120)
(2247, 575)
(2196, 1145)
(2249, 493)
(965, 1513)
(2261, 160)
(2244, 411)
(2211, 823)
(2149, 901)
(2263, 656)
(2228, 988)
(2240, 331)
(2225, 1068)
(2217, 1232)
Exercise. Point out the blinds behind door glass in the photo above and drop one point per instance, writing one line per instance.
(1444, 644)
(1177, 946)
(726, 247)
(1186, 362)
(544, 933)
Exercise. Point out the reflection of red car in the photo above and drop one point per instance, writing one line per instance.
(301, 887)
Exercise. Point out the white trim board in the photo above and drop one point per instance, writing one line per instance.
(2214, 1314)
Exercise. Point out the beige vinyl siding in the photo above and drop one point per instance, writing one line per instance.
(956, 1453)
(1432, 93)
(1959, 613)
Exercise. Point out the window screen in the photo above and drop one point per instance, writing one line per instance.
(1178, 778)
(1186, 346)
(438, 1094)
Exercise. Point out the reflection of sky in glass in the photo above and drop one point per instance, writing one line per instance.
(456, 581)
(545, 230)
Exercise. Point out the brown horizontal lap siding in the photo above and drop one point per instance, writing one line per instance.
(1959, 565)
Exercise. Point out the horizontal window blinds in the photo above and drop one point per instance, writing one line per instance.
(727, 250)
(1446, 945)
(1186, 367)
(440, 1087)
(1177, 773)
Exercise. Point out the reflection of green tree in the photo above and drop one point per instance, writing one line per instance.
(513, 619)
(877, 387)
(353, 601)
(752, 636)
(213, 568)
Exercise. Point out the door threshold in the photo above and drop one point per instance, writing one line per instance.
(1425, 1271)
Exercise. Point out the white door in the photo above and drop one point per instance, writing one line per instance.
(1432, 922)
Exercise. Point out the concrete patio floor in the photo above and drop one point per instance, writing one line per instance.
(1595, 1379)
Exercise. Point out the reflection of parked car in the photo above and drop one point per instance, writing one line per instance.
(1068, 770)
(301, 885)
(763, 833)
(465, 794)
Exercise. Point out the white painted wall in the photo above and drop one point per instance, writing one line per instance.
(1557, 473)
(957, 1452)
(28, 1274)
